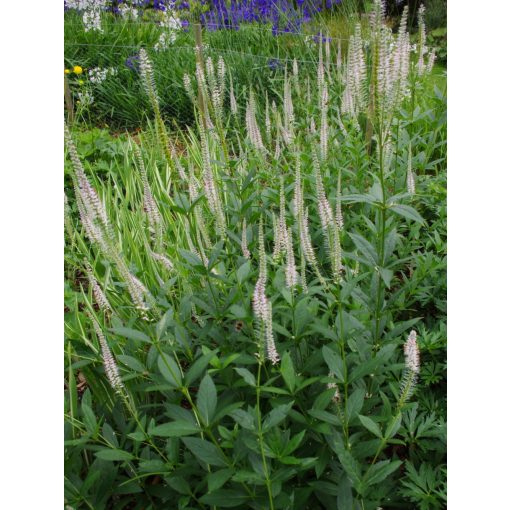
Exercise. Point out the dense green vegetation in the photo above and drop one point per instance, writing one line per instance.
(255, 293)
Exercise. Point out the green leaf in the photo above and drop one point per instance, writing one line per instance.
(334, 362)
(110, 454)
(246, 420)
(294, 443)
(378, 472)
(276, 416)
(244, 271)
(324, 416)
(198, 367)
(175, 429)
(225, 498)
(246, 375)
(205, 451)
(288, 373)
(407, 212)
(386, 275)
(355, 403)
(131, 362)
(370, 425)
(357, 198)
(350, 465)
(170, 370)
(207, 399)
(164, 323)
(217, 479)
(89, 418)
(191, 258)
(132, 334)
(344, 498)
(365, 248)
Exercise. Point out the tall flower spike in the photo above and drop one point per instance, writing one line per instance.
(412, 368)
(325, 211)
(422, 48)
(412, 353)
(149, 204)
(97, 292)
(148, 81)
(165, 261)
(233, 101)
(188, 87)
(324, 123)
(211, 192)
(288, 109)
(268, 121)
(280, 241)
(110, 366)
(291, 274)
(272, 352)
(251, 123)
(92, 204)
(260, 301)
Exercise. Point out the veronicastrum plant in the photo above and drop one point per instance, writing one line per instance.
(242, 337)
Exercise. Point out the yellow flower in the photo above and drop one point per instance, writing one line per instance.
(67, 71)
(80, 82)
(77, 70)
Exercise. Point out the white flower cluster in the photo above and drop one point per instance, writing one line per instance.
(98, 75)
(172, 24)
(85, 98)
(128, 12)
(166, 39)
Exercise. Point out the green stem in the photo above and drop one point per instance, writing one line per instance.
(261, 441)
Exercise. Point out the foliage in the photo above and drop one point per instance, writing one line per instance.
(250, 376)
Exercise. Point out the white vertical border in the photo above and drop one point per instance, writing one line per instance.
(31, 253)
(479, 253)
(31, 35)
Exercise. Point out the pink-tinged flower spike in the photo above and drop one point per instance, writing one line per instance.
(97, 292)
(163, 260)
(422, 47)
(288, 110)
(244, 242)
(272, 353)
(260, 301)
(188, 87)
(148, 81)
(110, 366)
(280, 241)
(412, 353)
(325, 211)
(149, 204)
(324, 123)
(432, 59)
(412, 368)
(251, 124)
(93, 206)
(233, 101)
(291, 274)
(268, 121)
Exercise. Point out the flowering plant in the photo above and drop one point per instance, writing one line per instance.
(253, 330)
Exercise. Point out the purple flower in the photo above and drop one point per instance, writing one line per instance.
(133, 62)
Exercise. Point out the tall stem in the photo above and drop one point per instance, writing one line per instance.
(261, 441)
(382, 240)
